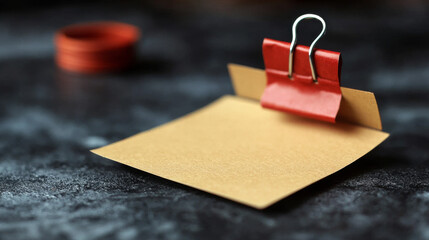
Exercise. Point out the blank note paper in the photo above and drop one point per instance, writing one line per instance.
(236, 149)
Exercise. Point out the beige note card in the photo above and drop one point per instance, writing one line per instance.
(236, 149)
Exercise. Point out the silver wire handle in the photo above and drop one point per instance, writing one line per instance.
(310, 53)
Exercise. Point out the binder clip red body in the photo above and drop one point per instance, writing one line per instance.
(300, 79)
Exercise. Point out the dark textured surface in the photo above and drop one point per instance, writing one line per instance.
(51, 186)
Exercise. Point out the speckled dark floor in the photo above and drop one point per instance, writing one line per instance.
(51, 186)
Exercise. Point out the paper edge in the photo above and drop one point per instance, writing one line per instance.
(290, 194)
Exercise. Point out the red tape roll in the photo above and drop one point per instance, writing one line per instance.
(96, 47)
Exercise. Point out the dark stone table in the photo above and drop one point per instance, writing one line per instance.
(51, 186)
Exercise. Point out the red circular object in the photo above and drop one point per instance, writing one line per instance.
(96, 47)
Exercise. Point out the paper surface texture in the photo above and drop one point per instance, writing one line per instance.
(236, 149)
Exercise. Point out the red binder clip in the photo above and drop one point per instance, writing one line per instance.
(301, 80)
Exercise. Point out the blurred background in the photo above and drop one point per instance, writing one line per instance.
(52, 187)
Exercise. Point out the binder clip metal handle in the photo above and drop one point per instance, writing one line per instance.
(310, 53)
